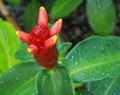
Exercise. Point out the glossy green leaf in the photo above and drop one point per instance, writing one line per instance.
(49, 25)
(23, 51)
(101, 16)
(78, 84)
(62, 49)
(49, 4)
(94, 58)
(31, 15)
(13, 2)
(9, 44)
(106, 87)
(84, 92)
(19, 80)
(62, 8)
(55, 82)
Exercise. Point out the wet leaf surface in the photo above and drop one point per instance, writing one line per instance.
(106, 86)
(94, 58)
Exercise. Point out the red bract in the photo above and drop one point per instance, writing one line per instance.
(42, 41)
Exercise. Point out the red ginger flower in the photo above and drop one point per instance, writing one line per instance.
(42, 41)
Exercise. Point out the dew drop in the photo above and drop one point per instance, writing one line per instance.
(108, 5)
(16, 78)
(108, 74)
(118, 64)
(101, 41)
(95, 11)
(102, 48)
(106, 85)
(94, 47)
(76, 64)
(93, 78)
(99, 6)
(10, 71)
(82, 76)
(72, 58)
(76, 52)
(114, 93)
(97, 54)
(1, 82)
(59, 62)
(6, 76)
(103, 74)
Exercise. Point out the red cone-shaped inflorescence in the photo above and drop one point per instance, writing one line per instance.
(42, 41)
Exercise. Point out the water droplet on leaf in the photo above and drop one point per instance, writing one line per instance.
(108, 74)
(16, 78)
(72, 58)
(1, 82)
(10, 71)
(76, 64)
(114, 93)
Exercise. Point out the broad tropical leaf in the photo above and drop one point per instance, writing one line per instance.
(9, 44)
(19, 80)
(62, 8)
(15, 3)
(94, 58)
(106, 86)
(101, 16)
(55, 82)
(31, 15)
(23, 51)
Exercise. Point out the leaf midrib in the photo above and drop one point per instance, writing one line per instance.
(52, 81)
(110, 86)
(75, 70)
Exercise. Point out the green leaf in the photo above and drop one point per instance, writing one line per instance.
(58, 42)
(49, 4)
(15, 3)
(84, 92)
(19, 80)
(62, 8)
(106, 87)
(94, 58)
(101, 16)
(23, 51)
(54, 82)
(49, 25)
(9, 44)
(31, 15)
(62, 49)
(78, 84)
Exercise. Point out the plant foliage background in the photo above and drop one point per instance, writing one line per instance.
(89, 50)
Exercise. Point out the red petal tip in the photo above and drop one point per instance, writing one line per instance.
(60, 20)
(17, 33)
(42, 8)
(56, 28)
(42, 17)
(51, 41)
(33, 49)
(25, 37)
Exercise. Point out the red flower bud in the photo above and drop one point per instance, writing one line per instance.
(56, 27)
(23, 36)
(42, 41)
(33, 49)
